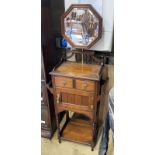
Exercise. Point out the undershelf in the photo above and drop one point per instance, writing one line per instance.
(78, 130)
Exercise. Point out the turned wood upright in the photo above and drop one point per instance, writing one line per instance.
(76, 88)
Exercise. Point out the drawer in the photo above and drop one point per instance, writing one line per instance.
(85, 85)
(64, 82)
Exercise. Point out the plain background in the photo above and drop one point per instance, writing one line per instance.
(20, 67)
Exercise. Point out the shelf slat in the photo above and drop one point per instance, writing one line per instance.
(78, 131)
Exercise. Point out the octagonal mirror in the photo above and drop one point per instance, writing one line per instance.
(81, 26)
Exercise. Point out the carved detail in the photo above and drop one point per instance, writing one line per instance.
(58, 98)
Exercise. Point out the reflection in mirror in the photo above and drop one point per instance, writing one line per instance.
(81, 26)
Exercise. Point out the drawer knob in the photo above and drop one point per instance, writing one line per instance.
(84, 85)
(58, 98)
(64, 83)
(91, 106)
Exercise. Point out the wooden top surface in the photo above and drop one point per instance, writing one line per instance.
(78, 70)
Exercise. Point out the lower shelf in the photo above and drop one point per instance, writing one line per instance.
(78, 130)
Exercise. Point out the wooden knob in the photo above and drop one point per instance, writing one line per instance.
(58, 98)
(84, 85)
(91, 106)
(64, 83)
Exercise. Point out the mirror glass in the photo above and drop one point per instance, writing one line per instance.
(81, 26)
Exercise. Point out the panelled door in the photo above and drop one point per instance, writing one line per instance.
(74, 97)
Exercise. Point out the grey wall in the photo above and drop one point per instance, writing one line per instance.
(57, 9)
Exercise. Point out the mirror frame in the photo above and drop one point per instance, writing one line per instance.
(87, 6)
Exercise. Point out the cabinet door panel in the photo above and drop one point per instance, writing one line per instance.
(71, 98)
(85, 100)
(75, 99)
(64, 97)
(78, 99)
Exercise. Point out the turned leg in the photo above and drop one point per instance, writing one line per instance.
(58, 127)
(94, 136)
(59, 140)
(92, 146)
(67, 116)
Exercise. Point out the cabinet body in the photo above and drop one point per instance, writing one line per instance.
(48, 121)
(76, 89)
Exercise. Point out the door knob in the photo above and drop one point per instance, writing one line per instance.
(91, 106)
(84, 85)
(64, 83)
(58, 98)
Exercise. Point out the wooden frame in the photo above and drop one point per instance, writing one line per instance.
(85, 6)
(91, 114)
(84, 132)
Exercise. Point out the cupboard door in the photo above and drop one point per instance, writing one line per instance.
(77, 99)
(45, 118)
